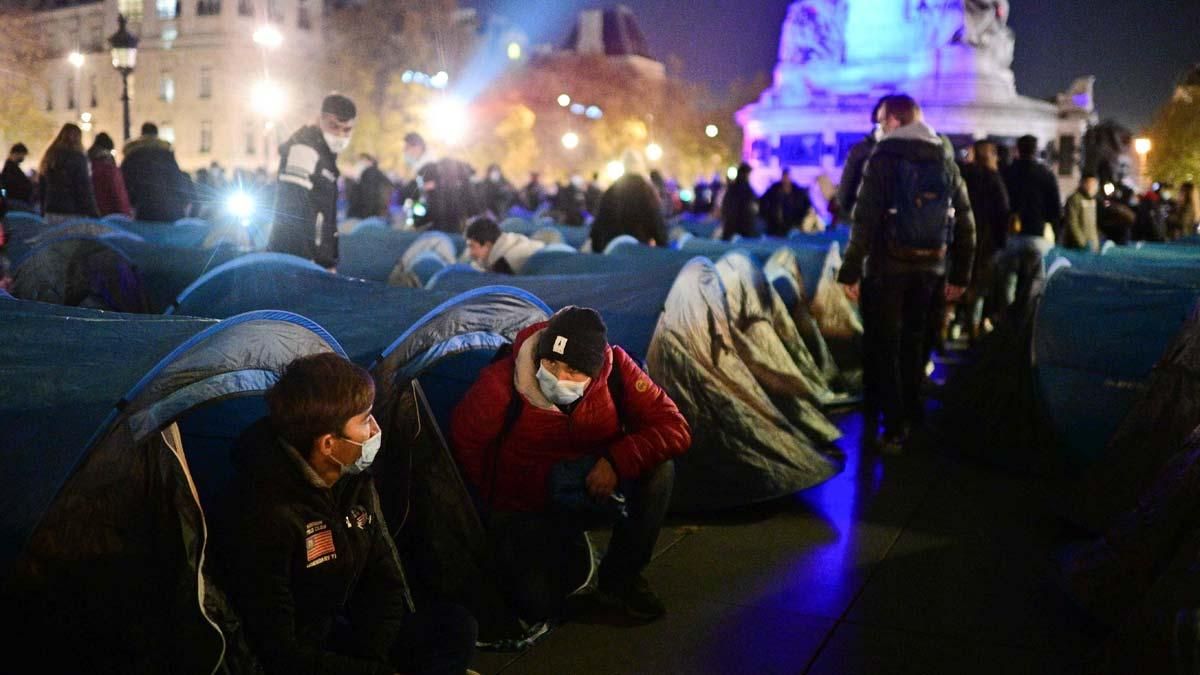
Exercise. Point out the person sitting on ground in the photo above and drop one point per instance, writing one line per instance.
(494, 251)
(311, 565)
(562, 426)
(1079, 223)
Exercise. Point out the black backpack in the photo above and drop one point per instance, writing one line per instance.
(919, 226)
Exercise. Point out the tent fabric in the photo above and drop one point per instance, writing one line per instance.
(81, 271)
(744, 450)
(372, 254)
(1096, 340)
(167, 271)
(1171, 270)
(106, 541)
(782, 271)
(428, 253)
(1148, 437)
(370, 320)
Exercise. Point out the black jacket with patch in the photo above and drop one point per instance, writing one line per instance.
(306, 199)
(301, 556)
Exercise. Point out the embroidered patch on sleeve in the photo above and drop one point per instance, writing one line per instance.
(318, 543)
(359, 517)
(641, 385)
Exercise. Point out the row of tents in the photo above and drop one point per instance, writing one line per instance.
(118, 423)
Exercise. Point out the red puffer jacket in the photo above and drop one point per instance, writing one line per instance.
(543, 435)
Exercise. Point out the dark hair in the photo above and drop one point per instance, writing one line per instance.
(629, 206)
(901, 106)
(317, 395)
(483, 230)
(103, 140)
(1088, 174)
(69, 140)
(413, 138)
(149, 129)
(19, 149)
(1027, 146)
(340, 107)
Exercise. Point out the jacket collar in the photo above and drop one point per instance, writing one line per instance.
(916, 131)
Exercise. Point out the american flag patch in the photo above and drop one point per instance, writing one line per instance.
(318, 546)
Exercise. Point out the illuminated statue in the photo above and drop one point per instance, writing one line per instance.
(814, 31)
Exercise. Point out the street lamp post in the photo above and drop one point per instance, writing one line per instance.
(124, 59)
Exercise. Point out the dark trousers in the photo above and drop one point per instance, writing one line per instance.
(437, 640)
(543, 557)
(897, 318)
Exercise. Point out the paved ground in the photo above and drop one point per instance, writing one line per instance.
(921, 563)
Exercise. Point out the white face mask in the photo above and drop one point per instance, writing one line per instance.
(336, 143)
(558, 391)
(370, 448)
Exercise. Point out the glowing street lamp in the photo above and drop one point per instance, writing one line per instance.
(75, 59)
(654, 152)
(614, 169)
(564, 100)
(268, 37)
(448, 120)
(570, 140)
(514, 51)
(266, 99)
(439, 80)
(711, 131)
(731, 173)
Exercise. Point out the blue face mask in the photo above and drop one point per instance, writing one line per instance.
(558, 391)
(370, 448)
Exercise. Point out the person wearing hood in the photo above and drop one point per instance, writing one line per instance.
(304, 549)
(561, 431)
(629, 206)
(306, 196)
(913, 235)
(158, 191)
(494, 251)
(107, 180)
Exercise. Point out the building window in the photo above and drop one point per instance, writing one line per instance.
(167, 9)
(303, 18)
(132, 9)
(208, 7)
(274, 11)
(166, 87)
(206, 136)
(245, 7)
(205, 81)
(251, 139)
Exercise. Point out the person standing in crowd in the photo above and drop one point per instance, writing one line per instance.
(569, 203)
(371, 191)
(158, 190)
(1032, 191)
(990, 207)
(593, 194)
(1079, 225)
(739, 207)
(498, 194)
(310, 561)
(66, 182)
(913, 232)
(1185, 218)
(856, 159)
(784, 206)
(533, 193)
(107, 180)
(443, 185)
(562, 431)
(629, 206)
(18, 188)
(306, 196)
(501, 252)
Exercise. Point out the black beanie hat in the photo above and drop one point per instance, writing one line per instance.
(576, 336)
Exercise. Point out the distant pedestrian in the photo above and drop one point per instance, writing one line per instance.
(1032, 191)
(158, 190)
(629, 206)
(66, 182)
(784, 206)
(371, 191)
(107, 180)
(1079, 225)
(989, 205)
(18, 188)
(739, 207)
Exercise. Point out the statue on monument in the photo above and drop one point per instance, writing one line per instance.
(985, 27)
(814, 31)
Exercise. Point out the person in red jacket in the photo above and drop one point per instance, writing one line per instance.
(107, 180)
(542, 424)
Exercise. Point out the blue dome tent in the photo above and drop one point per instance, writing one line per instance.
(105, 540)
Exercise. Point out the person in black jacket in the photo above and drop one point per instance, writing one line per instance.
(989, 205)
(739, 207)
(856, 160)
(66, 179)
(900, 280)
(370, 193)
(18, 189)
(306, 196)
(158, 190)
(784, 206)
(629, 206)
(1032, 190)
(310, 562)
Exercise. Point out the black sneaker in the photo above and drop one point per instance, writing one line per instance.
(637, 601)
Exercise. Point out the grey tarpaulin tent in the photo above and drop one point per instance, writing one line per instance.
(82, 271)
(104, 535)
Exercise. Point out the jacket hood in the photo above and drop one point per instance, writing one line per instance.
(516, 248)
(146, 143)
(525, 368)
(914, 141)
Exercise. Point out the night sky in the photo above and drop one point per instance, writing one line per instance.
(1135, 48)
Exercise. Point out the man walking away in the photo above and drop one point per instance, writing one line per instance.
(306, 199)
(913, 228)
(158, 190)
